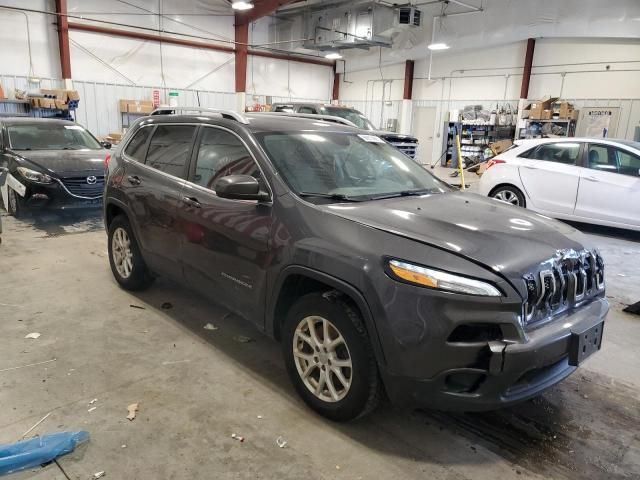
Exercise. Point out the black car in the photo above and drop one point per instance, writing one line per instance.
(373, 274)
(51, 163)
(407, 144)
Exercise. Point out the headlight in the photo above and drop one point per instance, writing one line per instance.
(34, 176)
(427, 277)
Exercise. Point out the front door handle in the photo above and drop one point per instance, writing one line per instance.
(530, 167)
(192, 202)
(134, 180)
(591, 179)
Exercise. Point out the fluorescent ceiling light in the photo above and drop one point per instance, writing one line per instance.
(333, 56)
(438, 46)
(240, 5)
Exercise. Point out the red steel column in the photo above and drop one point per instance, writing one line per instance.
(242, 37)
(408, 79)
(336, 84)
(528, 63)
(63, 38)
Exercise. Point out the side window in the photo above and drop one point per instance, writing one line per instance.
(136, 147)
(169, 148)
(220, 154)
(628, 163)
(306, 110)
(601, 157)
(562, 152)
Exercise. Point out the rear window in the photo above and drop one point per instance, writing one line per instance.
(136, 149)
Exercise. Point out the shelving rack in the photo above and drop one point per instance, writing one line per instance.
(570, 127)
(472, 135)
(23, 108)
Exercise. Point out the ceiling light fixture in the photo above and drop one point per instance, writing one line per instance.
(333, 56)
(241, 5)
(438, 46)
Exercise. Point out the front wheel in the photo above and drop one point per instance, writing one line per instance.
(509, 194)
(16, 204)
(127, 265)
(329, 357)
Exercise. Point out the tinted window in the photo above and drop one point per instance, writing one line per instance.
(353, 116)
(564, 152)
(601, 157)
(50, 136)
(628, 163)
(169, 148)
(306, 110)
(220, 154)
(136, 148)
(343, 164)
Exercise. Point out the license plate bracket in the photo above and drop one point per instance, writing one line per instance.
(584, 344)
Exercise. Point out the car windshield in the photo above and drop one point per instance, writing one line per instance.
(50, 136)
(353, 116)
(346, 166)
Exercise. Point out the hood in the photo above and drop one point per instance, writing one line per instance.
(65, 163)
(507, 239)
(394, 137)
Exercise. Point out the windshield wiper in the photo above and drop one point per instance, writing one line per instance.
(331, 196)
(406, 193)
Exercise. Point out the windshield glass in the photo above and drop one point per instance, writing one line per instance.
(50, 136)
(344, 166)
(353, 116)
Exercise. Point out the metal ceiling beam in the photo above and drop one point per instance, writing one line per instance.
(260, 9)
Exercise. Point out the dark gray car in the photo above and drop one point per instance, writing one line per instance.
(51, 163)
(374, 275)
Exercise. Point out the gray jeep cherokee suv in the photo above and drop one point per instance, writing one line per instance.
(374, 275)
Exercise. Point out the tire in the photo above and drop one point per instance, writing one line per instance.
(132, 274)
(509, 194)
(343, 402)
(16, 204)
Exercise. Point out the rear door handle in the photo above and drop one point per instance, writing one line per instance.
(192, 202)
(591, 179)
(134, 180)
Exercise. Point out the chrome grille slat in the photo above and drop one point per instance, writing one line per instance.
(565, 281)
(78, 186)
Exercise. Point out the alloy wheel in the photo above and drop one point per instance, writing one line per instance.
(322, 359)
(122, 254)
(507, 196)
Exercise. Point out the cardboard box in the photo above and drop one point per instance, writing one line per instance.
(115, 137)
(536, 109)
(72, 95)
(2, 95)
(35, 102)
(61, 105)
(500, 146)
(546, 115)
(137, 106)
(574, 115)
(564, 109)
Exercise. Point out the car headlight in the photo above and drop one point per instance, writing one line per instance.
(34, 175)
(427, 277)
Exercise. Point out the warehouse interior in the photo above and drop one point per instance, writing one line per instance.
(485, 102)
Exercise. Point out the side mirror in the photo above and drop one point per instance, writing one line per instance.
(240, 187)
(106, 145)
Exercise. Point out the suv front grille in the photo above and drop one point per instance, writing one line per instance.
(80, 186)
(565, 281)
(408, 146)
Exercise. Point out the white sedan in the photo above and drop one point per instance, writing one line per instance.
(583, 179)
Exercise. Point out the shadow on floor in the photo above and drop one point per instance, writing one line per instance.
(56, 223)
(583, 428)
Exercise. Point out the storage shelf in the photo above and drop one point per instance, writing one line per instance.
(6, 100)
(559, 120)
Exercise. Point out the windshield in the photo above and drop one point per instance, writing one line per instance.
(50, 136)
(353, 116)
(345, 166)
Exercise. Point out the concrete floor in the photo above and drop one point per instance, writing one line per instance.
(197, 387)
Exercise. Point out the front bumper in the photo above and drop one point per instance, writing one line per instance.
(510, 372)
(57, 196)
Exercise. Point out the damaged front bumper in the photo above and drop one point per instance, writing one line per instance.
(511, 371)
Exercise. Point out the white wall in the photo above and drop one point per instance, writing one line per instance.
(14, 50)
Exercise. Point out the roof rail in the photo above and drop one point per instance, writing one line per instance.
(328, 118)
(228, 114)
